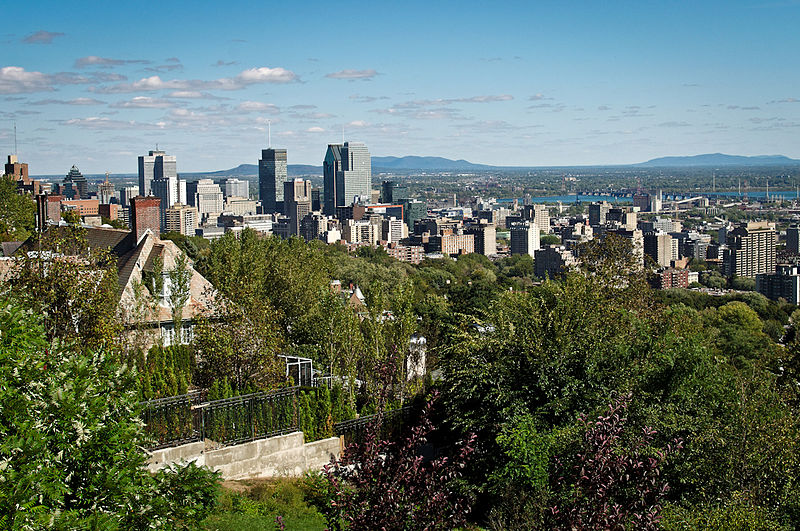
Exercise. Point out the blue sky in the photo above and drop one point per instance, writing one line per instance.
(507, 83)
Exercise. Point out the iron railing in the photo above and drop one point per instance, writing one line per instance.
(355, 430)
(177, 420)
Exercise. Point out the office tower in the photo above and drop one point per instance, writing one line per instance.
(155, 165)
(105, 191)
(793, 239)
(414, 210)
(331, 170)
(236, 188)
(272, 173)
(751, 250)
(170, 190)
(206, 196)
(356, 172)
(75, 185)
(598, 213)
(524, 238)
(126, 193)
(297, 202)
(181, 218)
(145, 214)
(316, 204)
(658, 246)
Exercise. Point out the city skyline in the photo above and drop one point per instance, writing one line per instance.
(531, 85)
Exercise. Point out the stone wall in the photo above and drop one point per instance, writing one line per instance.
(282, 456)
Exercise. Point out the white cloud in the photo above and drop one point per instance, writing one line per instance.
(245, 78)
(16, 80)
(358, 123)
(144, 102)
(315, 130)
(95, 122)
(76, 101)
(257, 106)
(353, 74)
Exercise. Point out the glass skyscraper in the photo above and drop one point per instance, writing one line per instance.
(347, 172)
(272, 173)
(155, 165)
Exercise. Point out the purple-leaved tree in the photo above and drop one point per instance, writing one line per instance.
(611, 486)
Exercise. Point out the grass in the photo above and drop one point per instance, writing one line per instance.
(254, 505)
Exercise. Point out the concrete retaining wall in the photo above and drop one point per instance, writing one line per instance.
(282, 456)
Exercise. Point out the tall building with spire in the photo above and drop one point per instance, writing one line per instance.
(105, 191)
(272, 173)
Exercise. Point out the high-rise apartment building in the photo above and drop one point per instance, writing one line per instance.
(598, 213)
(524, 238)
(751, 250)
(393, 230)
(155, 165)
(297, 202)
(485, 237)
(272, 173)
(181, 218)
(658, 246)
(539, 215)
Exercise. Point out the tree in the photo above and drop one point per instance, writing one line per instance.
(70, 438)
(382, 485)
(609, 486)
(16, 211)
(74, 287)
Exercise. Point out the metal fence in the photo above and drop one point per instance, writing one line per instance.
(355, 430)
(183, 419)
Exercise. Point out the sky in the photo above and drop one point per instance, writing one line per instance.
(97, 84)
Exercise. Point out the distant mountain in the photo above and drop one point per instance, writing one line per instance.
(251, 170)
(720, 159)
(424, 163)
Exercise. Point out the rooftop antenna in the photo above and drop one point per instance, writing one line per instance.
(342, 134)
(269, 133)
(16, 154)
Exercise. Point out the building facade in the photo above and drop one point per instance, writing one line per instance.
(272, 173)
(156, 164)
(751, 250)
(524, 238)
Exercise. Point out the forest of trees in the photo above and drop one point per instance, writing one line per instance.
(588, 401)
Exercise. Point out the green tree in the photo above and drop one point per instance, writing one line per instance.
(16, 211)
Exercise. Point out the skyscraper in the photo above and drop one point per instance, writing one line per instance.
(524, 238)
(272, 173)
(331, 170)
(105, 191)
(74, 185)
(357, 172)
(347, 173)
(157, 164)
(297, 202)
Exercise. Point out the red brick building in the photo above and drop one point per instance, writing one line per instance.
(674, 278)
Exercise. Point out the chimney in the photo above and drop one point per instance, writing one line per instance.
(145, 214)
